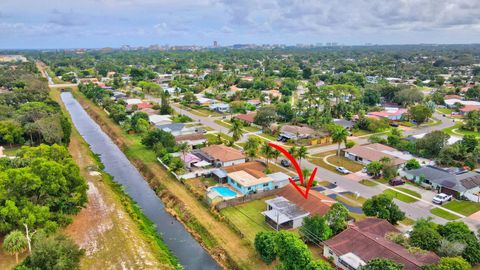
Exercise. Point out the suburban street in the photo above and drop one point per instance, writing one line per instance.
(414, 210)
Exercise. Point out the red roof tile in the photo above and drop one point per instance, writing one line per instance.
(366, 239)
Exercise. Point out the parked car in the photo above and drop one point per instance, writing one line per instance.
(342, 170)
(393, 124)
(295, 178)
(396, 181)
(441, 198)
(285, 163)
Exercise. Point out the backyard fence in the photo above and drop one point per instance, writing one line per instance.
(246, 198)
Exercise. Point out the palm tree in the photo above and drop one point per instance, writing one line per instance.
(305, 173)
(275, 154)
(15, 242)
(339, 135)
(251, 147)
(236, 129)
(302, 153)
(267, 151)
(184, 148)
(293, 151)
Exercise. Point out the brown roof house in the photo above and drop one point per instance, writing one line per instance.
(291, 132)
(220, 155)
(374, 152)
(365, 240)
(289, 208)
(248, 118)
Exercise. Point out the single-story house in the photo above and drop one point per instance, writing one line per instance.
(219, 107)
(344, 123)
(374, 152)
(254, 102)
(458, 184)
(248, 118)
(469, 108)
(249, 181)
(390, 113)
(203, 101)
(220, 155)
(133, 101)
(220, 175)
(316, 204)
(296, 132)
(280, 179)
(177, 129)
(365, 240)
(283, 214)
(160, 119)
(119, 95)
(450, 103)
(191, 139)
(149, 111)
(189, 159)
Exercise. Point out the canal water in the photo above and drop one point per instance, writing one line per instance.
(189, 252)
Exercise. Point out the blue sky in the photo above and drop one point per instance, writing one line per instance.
(104, 23)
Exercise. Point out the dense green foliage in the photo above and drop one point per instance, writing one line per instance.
(382, 206)
(381, 264)
(289, 249)
(52, 253)
(41, 188)
(27, 114)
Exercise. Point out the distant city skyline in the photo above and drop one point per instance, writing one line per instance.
(32, 24)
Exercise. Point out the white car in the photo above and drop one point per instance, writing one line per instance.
(342, 170)
(441, 198)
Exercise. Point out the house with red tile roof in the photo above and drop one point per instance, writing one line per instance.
(366, 240)
(248, 118)
(469, 108)
(394, 114)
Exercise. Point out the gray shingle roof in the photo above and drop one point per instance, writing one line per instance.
(458, 182)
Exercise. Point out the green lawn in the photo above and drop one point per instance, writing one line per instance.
(350, 199)
(465, 208)
(402, 197)
(368, 183)
(248, 218)
(336, 161)
(212, 137)
(445, 110)
(460, 132)
(223, 124)
(443, 214)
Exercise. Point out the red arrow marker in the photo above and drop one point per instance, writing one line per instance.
(299, 171)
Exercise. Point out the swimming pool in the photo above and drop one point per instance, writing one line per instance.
(224, 191)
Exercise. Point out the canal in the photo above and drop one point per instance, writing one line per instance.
(189, 252)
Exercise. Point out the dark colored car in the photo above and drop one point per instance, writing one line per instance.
(285, 163)
(393, 124)
(397, 181)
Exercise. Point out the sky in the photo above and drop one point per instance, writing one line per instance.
(34, 24)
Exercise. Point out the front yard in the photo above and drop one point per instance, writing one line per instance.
(465, 208)
(335, 161)
(443, 214)
(402, 197)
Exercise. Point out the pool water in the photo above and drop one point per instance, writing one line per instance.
(224, 191)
